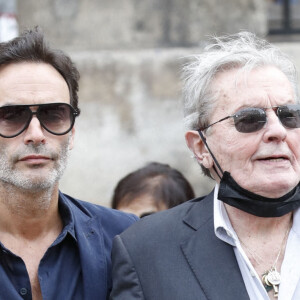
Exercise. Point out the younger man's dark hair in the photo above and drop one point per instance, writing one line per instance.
(31, 46)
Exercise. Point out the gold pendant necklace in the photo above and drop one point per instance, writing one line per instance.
(271, 278)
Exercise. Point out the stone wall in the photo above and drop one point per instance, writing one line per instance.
(132, 24)
(130, 54)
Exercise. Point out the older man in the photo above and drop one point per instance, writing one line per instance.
(52, 246)
(241, 241)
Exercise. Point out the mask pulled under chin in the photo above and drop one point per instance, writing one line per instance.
(233, 194)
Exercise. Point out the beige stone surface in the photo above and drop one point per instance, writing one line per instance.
(130, 54)
(131, 24)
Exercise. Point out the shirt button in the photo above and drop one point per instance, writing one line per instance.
(23, 291)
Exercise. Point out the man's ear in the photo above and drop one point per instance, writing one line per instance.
(71, 143)
(196, 145)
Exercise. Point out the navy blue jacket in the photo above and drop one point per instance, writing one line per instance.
(95, 228)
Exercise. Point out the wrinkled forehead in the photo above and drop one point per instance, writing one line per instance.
(263, 86)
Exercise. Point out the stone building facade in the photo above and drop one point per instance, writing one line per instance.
(130, 54)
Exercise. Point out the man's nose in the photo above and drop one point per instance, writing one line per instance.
(34, 133)
(274, 130)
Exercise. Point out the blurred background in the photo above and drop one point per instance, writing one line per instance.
(130, 54)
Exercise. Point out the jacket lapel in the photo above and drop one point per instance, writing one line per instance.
(212, 261)
(92, 257)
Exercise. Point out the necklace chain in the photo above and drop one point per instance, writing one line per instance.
(270, 278)
(257, 258)
(281, 247)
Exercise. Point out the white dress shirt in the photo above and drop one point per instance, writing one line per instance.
(290, 270)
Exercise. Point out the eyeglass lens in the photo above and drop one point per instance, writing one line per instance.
(56, 118)
(253, 119)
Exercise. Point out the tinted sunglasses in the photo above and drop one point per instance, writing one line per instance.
(253, 119)
(56, 118)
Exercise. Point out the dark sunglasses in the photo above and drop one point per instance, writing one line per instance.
(253, 119)
(56, 118)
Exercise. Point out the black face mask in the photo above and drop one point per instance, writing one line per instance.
(233, 194)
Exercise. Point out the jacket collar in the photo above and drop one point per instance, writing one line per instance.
(90, 239)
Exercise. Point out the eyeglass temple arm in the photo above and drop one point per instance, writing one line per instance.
(214, 158)
(203, 128)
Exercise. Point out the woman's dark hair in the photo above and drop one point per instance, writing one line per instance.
(163, 183)
(31, 46)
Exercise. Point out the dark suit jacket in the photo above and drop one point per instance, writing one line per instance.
(95, 228)
(175, 255)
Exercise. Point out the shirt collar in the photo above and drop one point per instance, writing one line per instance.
(296, 222)
(222, 225)
(223, 228)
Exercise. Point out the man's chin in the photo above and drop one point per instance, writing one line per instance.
(33, 182)
(279, 188)
(34, 186)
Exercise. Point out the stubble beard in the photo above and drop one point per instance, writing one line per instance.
(13, 178)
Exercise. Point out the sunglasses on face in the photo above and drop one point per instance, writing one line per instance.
(253, 119)
(56, 118)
